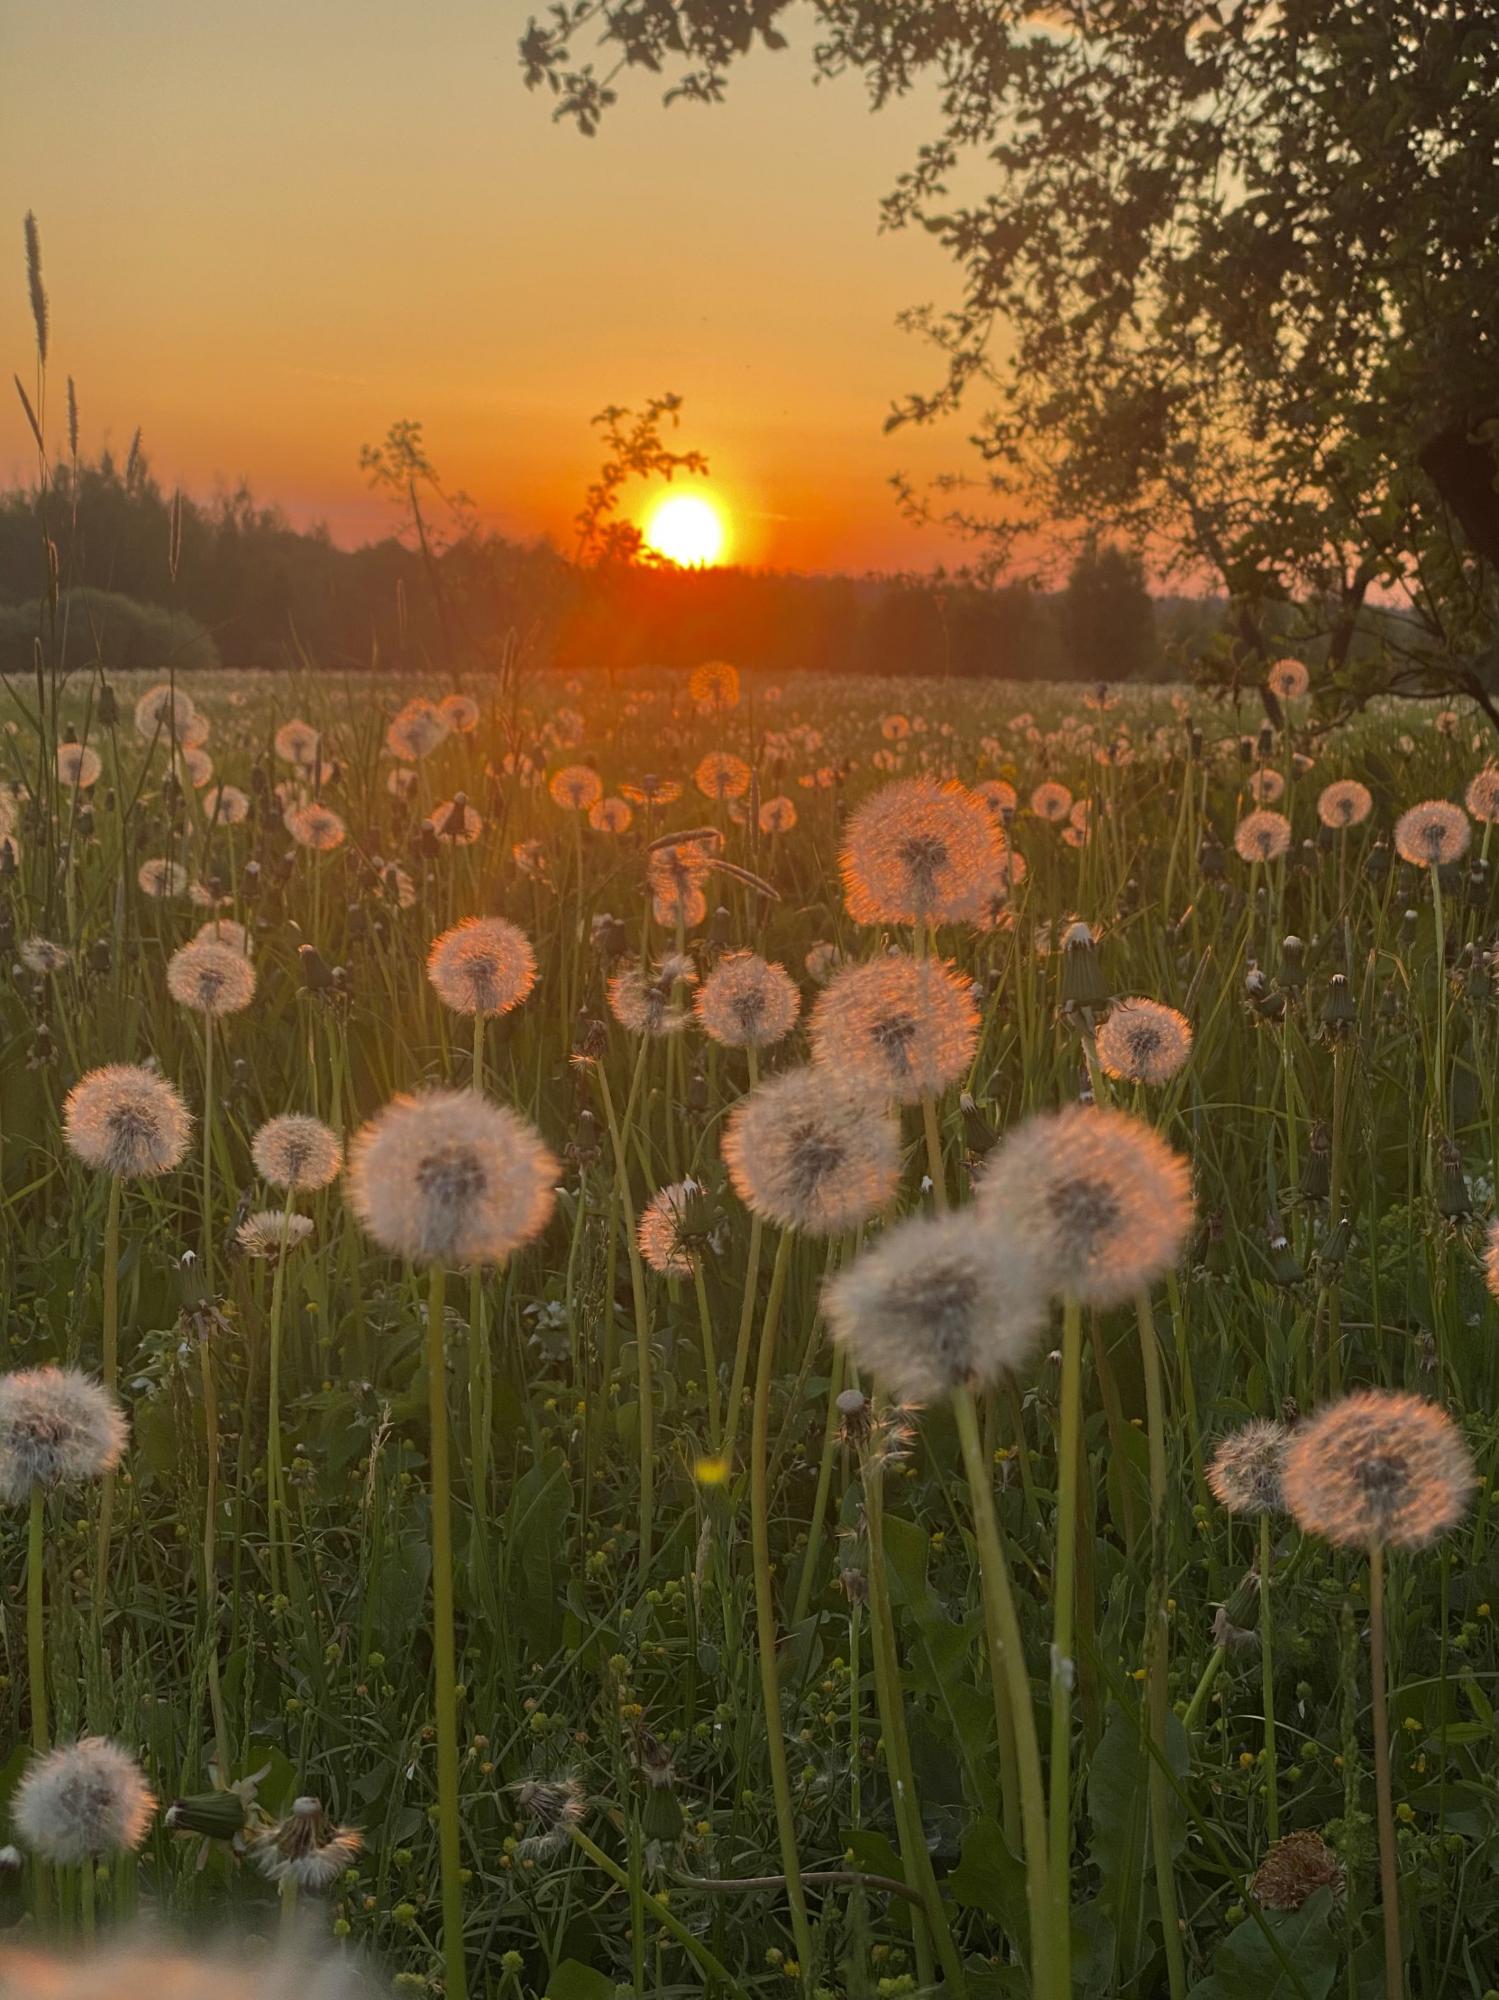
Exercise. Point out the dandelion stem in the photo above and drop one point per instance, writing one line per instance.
(275, 1479)
(444, 1664)
(109, 1355)
(1064, 1613)
(1267, 1684)
(210, 1556)
(36, 1620)
(1204, 1688)
(644, 1378)
(934, 1152)
(1389, 1881)
(1014, 1711)
(765, 1617)
(711, 1967)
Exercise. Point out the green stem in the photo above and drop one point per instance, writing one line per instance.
(1389, 1880)
(36, 1622)
(644, 1373)
(1064, 1616)
(710, 1355)
(210, 1555)
(1014, 1711)
(1267, 1685)
(444, 1663)
(711, 1967)
(110, 1357)
(275, 1481)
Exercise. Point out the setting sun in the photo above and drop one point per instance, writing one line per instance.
(686, 529)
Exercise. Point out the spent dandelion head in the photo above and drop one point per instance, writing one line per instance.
(1378, 1469)
(647, 1004)
(297, 743)
(1051, 801)
(307, 1847)
(549, 1809)
(460, 712)
(483, 965)
(940, 1303)
(227, 805)
(448, 1177)
(1143, 1041)
(747, 1003)
(611, 816)
(211, 978)
(416, 730)
(78, 765)
(1246, 1472)
(294, 1151)
(903, 1026)
(807, 1153)
(268, 1231)
(82, 1802)
(1262, 836)
(57, 1428)
(1289, 679)
(1294, 1869)
(1432, 834)
(918, 852)
(455, 823)
(1102, 1194)
(44, 957)
(127, 1121)
(1345, 802)
(1481, 796)
(668, 1234)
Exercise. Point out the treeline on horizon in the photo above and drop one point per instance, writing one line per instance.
(247, 589)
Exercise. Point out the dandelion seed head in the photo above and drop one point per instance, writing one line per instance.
(448, 1177)
(1267, 786)
(611, 816)
(809, 1154)
(263, 1233)
(483, 965)
(296, 1152)
(127, 1121)
(78, 765)
(1143, 1041)
(1051, 801)
(1247, 1470)
(900, 1025)
(1345, 802)
(307, 1848)
(1289, 679)
(747, 1003)
(41, 956)
(1102, 1195)
(460, 712)
(1481, 796)
(315, 826)
(663, 1232)
(164, 711)
(917, 851)
(211, 977)
(297, 743)
(83, 1801)
(455, 823)
(1262, 836)
(226, 804)
(162, 877)
(778, 815)
(940, 1303)
(416, 730)
(647, 1005)
(550, 1808)
(1432, 834)
(715, 683)
(576, 787)
(1378, 1469)
(57, 1428)
(721, 775)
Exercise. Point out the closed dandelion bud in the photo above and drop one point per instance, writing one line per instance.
(1243, 1607)
(1476, 889)
(721, 929)
(100, 958)
(1409, 924)
(1316, 1175)
(1377, 866)
(1389, 1002)
(1285, 1265)
(1453, 1199)
(1339, 1009)
(1265, 747)
(215, 1815)
(250, 881)
(661, 1815)
(317, 977)
(1333, 1253)
(106, 707)
(854, 1584)
(1210, 861)
(1292, 964)
(978, 1130)
(1215, 1257)
(697, 1092)
(1083, 983)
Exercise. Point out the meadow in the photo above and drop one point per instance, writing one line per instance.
(930, 1427)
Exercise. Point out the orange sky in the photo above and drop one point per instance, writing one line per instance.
(269, 230)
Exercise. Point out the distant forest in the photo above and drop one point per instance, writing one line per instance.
(229, 582)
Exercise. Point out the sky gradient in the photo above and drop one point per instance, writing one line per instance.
(269, 231)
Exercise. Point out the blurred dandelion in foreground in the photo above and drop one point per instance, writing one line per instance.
(1481, 797)
(127, 1121)
(1246, 1472)
(448, 1177)
(1262, 836)
(78, 766)
(647, 1005)
(211, 977)
(1294, 1869)
(1143, 1041)
(269, 1231)
(57, 1428)
(416, 731)
(1289, 679)
(483, 965)
(1103, 1197)
(307, 1848)
(41, 956)
(822, 961)
(316, 827)
(1432, 834)
(1345, 802)
(918, 852)
(295, 1151)
(667, 1232)
(940, 1303)
(747, 1003)
(901, 1025)
(805, 1152)
(1378, 1469)
(82, 1802)
(1491, 1259)
(143, 1971)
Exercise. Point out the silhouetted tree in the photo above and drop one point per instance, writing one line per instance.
(1108, 622)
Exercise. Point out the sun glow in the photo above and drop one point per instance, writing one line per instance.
(686, 529)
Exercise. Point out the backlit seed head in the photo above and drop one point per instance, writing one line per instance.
(448, 1177)
(721, 775)
(416, 730)
(900, 1026)
(940, 1304)
(57, 1428)
(746, 1003)
(1289, 679)
(41, 956)
(166, 712)
(919, 852)
(1262, 836)
(298, 743)
(1491, 1259)
(82, 1802)
(211, 977)
(1103, 1197)
(1345, 802)
(1378, 1469)
(1051, 801)
(665, 1233)
(483, 965)
(316, 827)
(127, 1121)
(263, 1233)
(162, 877)
(611, 816)
(1143, 1041)
(715, 683)
(460, 712)
(1481, 797)
(576, 787)
(1432, 834)
(78, 765)
(648, 1006)
(295, 1151)
(809, 1154)
(1246, 1471)
(307, 1848)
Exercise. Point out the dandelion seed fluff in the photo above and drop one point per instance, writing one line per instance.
(127, 1121)
(295, 1151)
(84, 1801)
(316, 827)
(747, 1003)
(1247, 1471)
(1482, 795)
(1345, 802)
(297, 743)
(1378, 1469)
(660, 1235)
(483, 965)
(448, 1177)
(576, 787)
(1432, 834)
(901, 1025)
(78, 765)
(307, 1848)
(57, 1428)
(460, 712)
(807, 1153)
(721, 775)
(939, 1304)
(1143, 1041)
(267, 1230)
(1262, 836)
(211, 977)
(647, 1005)
(918, 852)
(226, 804)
